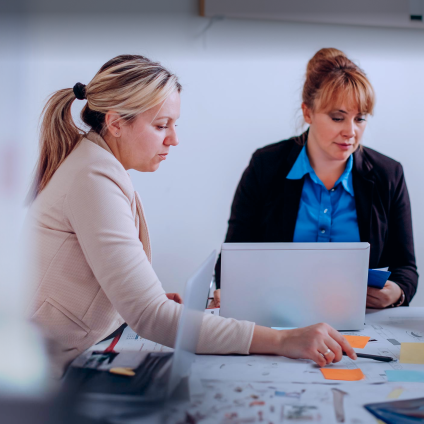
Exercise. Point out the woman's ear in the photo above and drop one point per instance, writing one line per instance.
(307, 114)
(113, 123)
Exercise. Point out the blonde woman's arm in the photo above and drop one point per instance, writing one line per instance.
(98, 207)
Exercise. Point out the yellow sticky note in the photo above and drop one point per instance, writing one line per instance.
(340, 374)
(412, 353)
(357, 341)
(396, 393)
(128, 372)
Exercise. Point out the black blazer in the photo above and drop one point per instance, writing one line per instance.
(266, 204)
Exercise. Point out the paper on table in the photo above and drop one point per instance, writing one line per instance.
(341, 374)
(357, 341)
(405, 375)
(412, 353)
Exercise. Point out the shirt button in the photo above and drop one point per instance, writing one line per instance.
(322, 231)
(325, 210)
(332, 189)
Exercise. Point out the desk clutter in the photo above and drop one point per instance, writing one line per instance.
(232, 402)
(258, 388)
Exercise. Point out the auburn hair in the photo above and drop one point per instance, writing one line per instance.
(332, 79)
(127, 84)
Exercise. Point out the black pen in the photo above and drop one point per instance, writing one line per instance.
(375, 357)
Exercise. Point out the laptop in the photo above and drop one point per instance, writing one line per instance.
(157, 374)
(295, 284)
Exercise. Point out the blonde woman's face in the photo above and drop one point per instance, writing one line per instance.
(337, 133)
(145, 142)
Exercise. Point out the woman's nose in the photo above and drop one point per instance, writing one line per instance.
(171, 139)
(349, 129)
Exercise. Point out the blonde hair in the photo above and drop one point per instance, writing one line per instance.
(332, 78)
(126, 84)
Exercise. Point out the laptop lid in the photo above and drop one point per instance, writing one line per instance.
(195, 298)
(295, 284)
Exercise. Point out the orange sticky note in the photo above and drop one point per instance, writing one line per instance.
(345, 375)
(357, 341)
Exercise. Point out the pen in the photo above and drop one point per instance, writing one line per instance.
(375, 357)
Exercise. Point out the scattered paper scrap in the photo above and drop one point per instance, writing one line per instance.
(257, 403)
(357, 341)
(405, 376)
(342, 374)
(412, 353)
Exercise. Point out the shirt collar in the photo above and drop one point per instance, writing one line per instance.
(302, 166)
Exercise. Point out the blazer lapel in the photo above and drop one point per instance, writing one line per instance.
(142, 227)
(292, 194)
(363, 188)
(289, 199)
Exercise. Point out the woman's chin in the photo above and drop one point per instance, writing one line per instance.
(342, 155)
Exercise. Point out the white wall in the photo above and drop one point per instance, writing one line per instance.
(242, 83)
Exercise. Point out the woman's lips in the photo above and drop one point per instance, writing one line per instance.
(344, 146)
(163, 156)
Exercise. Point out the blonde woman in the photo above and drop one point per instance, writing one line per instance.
(93, 252)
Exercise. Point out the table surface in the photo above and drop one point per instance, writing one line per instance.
(271, 389)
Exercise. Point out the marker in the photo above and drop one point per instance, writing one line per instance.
(375, 357)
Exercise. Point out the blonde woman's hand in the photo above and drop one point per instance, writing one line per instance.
(320, 342)
(216, 301)
(175, 297)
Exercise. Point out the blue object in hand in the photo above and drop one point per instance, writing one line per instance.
(377, 278)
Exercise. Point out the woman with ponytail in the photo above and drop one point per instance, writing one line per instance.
(324, 186)
(93, 267)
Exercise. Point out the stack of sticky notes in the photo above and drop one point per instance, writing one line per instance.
(412, 353)
(356, 374)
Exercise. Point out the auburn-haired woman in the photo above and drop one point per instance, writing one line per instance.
(324, 186)
(93, 258)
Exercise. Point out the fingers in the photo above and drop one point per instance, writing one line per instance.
(327, 353)
(211, 304)
(217, 298)
(175, 297)
(335, 349)
(318, 358)
(344, 344)
(372, 302)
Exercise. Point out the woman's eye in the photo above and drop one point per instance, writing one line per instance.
(360, 119)
(162, 127)
(337, 119)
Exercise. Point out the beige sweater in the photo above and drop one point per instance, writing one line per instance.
(93, 263)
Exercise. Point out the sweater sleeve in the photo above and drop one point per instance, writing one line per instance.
(99, 211)
(400, 245)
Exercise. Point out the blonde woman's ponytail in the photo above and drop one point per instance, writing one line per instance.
(58, 137)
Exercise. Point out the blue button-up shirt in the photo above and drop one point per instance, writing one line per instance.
(324, 215)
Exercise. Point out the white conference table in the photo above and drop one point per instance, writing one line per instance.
(271, 389)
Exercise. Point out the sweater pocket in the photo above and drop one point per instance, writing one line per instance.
(59, 325)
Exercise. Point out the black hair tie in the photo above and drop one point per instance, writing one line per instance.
(79, 91)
